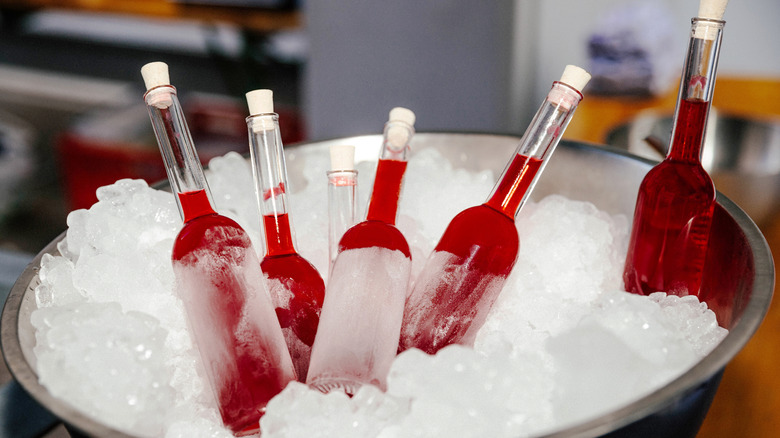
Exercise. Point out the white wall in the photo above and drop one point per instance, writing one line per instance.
(448, 60)
(481, 65)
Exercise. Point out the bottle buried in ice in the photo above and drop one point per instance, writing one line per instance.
(361, 318)
(218, 277)
(676, 199)
(296, 288)
(468, 267)
(342, 194)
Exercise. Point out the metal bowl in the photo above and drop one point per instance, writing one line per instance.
(739, 274)
(742, 155)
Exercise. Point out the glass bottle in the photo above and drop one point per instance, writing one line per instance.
(467, 269)
(342, 194)
(297, 289)
(676, 199)
(218, 277)
(361, 317)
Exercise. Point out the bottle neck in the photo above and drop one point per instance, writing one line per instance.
(536, 146)
(697, 84)
(184, 169)
(386, 192)
(342, 193)
(270, 175)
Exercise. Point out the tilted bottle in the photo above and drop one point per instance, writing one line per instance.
(218, 277)
(467, 269)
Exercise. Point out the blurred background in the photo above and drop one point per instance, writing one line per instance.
(72, 116)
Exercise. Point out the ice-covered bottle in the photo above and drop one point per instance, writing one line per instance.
(467, 269)
(676, 199)
(218, 277)
(361, 318)
(296, 288)
(342, 196)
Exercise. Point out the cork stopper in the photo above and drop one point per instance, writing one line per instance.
(155, 74)
(575, 77)
(711, 10)
(260, 102)
(402, 115)
(342, 157)
(398, 135)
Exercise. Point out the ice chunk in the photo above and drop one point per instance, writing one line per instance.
(620, 351)
(56, 274)
(570, 252)
(107, 363)
(567, 242)
(462, 392)
(302, 412)
(693, 320)
(197, 427)
(429, 171)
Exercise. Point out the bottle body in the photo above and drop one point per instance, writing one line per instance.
(231, 318)
(676, 200)
(361, 316)
(297, 290)
(342, 193)
(461, 279)
(670, 230)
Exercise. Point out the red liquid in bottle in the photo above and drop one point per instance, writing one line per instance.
(386, 191)
(378, 229)
(468, 268)
(673, 214)
(299, 302)
(247, 366)
(278, 234)
(195, 204)
(509, 193)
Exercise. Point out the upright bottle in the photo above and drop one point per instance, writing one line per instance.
(676, 199)
(342, 194)
(467, 269)
(296, 288)
(218, 277)
(361, 317)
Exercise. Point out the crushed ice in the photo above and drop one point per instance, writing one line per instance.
(112, 337)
